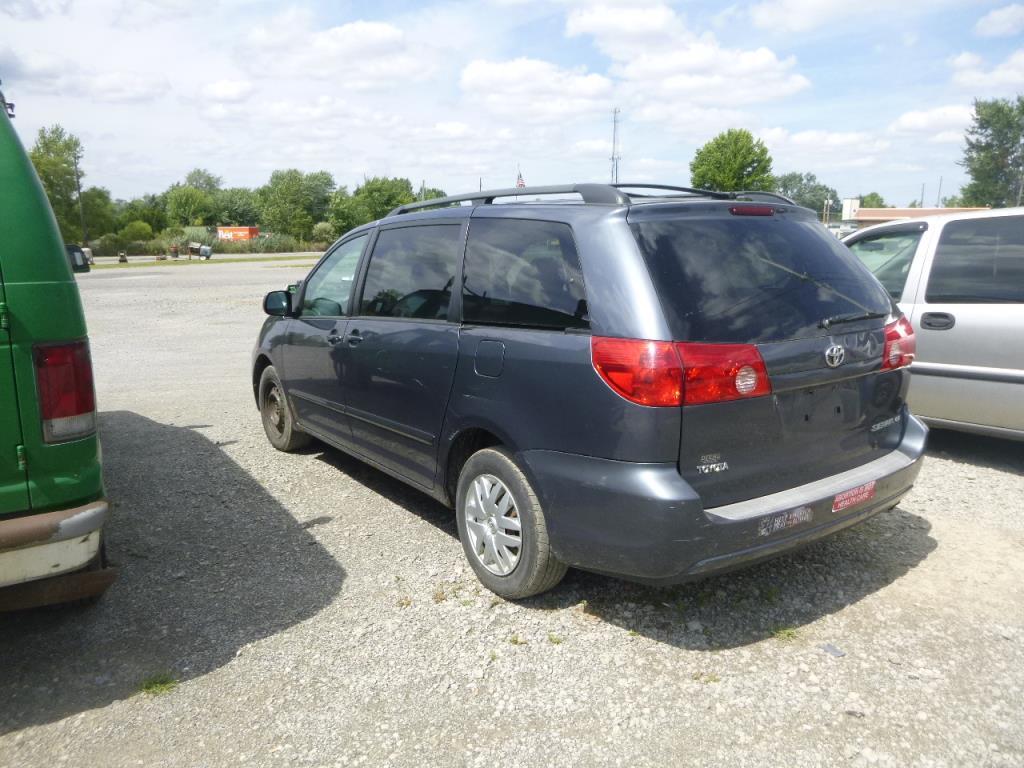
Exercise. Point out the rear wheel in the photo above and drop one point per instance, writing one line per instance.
(502, 527)
(277, 415)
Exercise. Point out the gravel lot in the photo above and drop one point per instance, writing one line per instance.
(317, 612)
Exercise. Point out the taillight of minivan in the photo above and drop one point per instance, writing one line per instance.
(664, 373)
(67, 400)
(900, 344)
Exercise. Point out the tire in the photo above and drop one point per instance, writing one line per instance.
(487, 522)
(276, 414)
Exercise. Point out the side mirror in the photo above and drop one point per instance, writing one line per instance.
(277, 304)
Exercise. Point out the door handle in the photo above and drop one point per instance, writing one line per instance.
(354, 338)
(333, 339)
(937, 321)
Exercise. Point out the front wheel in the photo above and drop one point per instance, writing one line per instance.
(502, 527)
(278, 422)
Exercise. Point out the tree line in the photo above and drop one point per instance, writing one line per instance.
(298, 208)
(310, 208)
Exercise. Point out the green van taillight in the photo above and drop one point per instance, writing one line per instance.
(67, 400)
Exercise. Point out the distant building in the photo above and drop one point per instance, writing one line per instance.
(855, 217)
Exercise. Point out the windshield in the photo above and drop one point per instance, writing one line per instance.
(753, 279)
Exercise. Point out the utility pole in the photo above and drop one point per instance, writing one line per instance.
(81, 210)
(938, 196)
(922, 195)
(615, 146)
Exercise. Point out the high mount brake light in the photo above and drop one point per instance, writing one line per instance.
(664, 373)
(67, 401)
(752, 210)
(900, 345)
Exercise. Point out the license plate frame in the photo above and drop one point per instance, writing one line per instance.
(854, 496)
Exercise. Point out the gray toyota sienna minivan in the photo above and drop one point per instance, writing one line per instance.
(652, 382)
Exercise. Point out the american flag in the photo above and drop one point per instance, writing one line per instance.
(519, 181)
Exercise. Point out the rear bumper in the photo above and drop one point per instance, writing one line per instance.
(50, 543)
(644, 522)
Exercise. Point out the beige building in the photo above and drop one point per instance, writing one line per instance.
(855, 217)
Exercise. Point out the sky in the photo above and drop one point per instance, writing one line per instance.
(869, 95)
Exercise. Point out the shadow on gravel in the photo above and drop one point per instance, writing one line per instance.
(977, 450)
(208, 560)
(725, 611)
(764, 601)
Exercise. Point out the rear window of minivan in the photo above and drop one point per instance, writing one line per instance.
(752, 279)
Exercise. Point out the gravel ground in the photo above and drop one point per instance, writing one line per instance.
(317, 612)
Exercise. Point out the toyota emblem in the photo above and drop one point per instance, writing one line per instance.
(834, 356)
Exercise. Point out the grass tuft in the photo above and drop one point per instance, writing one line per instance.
(155, 685)
(785, 634)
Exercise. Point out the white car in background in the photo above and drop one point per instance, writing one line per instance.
(960, 280)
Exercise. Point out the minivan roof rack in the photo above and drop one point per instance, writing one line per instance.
(604, 194)
(591, 193)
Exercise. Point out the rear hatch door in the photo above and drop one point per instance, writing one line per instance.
(773, 278)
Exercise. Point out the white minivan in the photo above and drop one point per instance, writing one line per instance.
(960, 280)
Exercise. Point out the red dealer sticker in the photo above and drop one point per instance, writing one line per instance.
(854, 496)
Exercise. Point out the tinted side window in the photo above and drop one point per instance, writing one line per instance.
(411, 272)
(524, 273)
(889, 257)
(979, 261)
(329, 288)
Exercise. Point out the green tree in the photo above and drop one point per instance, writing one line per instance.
(346, 212)
(323, 232)
(379, 195)
(805, 189)
(237, 207)
(953, 201)
(994, 156)
(200, 178)
(151, 209)
(136, 231)
(56, 156)
(319, 186)
(188, 206)
(100, 211)
(732, 161)
(285, 204)
(872, 200)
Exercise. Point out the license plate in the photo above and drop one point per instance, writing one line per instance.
(854, 496)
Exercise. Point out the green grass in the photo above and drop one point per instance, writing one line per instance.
(517, 640)
(214, 260)
(555, 639)
(785, 634)
(155, 685)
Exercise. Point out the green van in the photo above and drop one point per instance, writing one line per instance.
(52, 502)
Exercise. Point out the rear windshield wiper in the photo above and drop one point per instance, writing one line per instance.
(828, 322)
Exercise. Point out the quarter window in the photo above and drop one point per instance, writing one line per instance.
(523, 273)
(411, 272)
(979, 261)
(329, 288)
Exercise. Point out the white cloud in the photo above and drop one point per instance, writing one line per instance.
(1001, 22)
(535, 90)
(621, 31)
(359, 54)
(64, 77)
(231, 91)
(33, 9)
(824, 149)
(941, 124)
(969, 72)
(784, 16)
